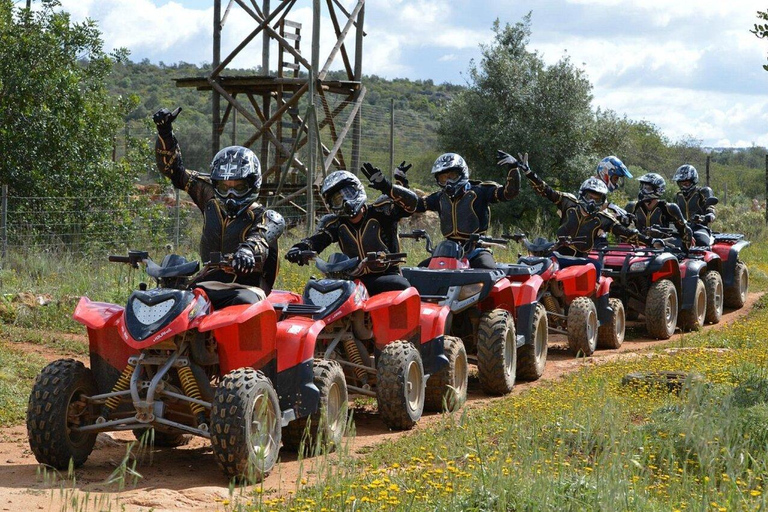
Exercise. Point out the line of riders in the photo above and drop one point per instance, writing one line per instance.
(219, 354)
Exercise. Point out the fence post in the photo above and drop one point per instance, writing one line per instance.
(709, 158)
(392, 139)
(178, 221)
(725, 195)
(4, 222)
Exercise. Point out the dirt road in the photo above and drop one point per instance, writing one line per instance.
(188, 479)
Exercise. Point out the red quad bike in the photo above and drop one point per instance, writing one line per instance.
(656, 284)
(166, 361)
(710, 275)
(386, 346)
(734, 271)
(481, 308)
(570, 295)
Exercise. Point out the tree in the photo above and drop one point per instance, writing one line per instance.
(57, 120)
(761, 31)
(517, 103)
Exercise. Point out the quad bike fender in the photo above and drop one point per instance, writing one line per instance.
(296, 339)
(433, 320)
(691, 270)
(108, 351)
(578, 281)
(729, 254)
(665, 266)
(283, 297)
(604, 309)
(502, 296)
(245, 334)
(395, 316)
(524, 323)
(526, 292)
(433, 355)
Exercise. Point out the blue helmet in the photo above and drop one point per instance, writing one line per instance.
(612, 172)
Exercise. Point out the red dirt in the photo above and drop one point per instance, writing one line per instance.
(187, 478)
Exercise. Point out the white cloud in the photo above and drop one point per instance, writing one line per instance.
(447, 58)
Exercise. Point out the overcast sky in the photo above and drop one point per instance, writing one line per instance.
(690, 67)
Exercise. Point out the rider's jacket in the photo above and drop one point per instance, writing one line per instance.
(585, 229)
(662, 214)
(376, 231)
(695, 203)
(221, 234)
(466, 214)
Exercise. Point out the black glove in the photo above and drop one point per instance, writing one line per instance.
(522, 164)
(505, 159)
(657, 243)
(400, 173)
(627, 220)
(163, 119)
(244, 261)
(294, 253)
(376, 177)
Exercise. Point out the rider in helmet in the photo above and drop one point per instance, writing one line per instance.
(692, 201)
(233, 220)
(651, 210)
(583, 219)
(359, 228)
(463, 204)
(612, 171)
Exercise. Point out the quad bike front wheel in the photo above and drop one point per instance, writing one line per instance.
(56, 406)
(693, 319)
(661, 309)
(611, 334)
(736, 295)
(713, 284)
(532, 357)
(323, 430)
(496, 352)
(582, 326)
(400, 389)
(245, 425)
(447, 388)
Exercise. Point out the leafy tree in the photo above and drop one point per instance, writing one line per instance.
(761, 31)
(517, 103)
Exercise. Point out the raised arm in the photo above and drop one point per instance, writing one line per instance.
(539, 185)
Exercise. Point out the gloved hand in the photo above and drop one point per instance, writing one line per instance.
(163, 119)
(294, 253)
(657, 243)
(244, 261)
(376, 177)
(505, 159)
(698, 219)
(400, 173)
(522, 164)
(627, 220)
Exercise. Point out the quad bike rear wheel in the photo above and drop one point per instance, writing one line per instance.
(447, 388)
(400, 389)
(713, 284)
(496, 352)
(611, 334)
(661, 309)
(736, 294)
(324, 428)
(582, 326)
(532, 358)
(245, 425)
(693, 319)
(57, 405)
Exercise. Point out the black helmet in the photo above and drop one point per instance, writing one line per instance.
(343, 193)
(589, 189)
(686, 172)
(652, 186)
(455, 164)
(236, 178)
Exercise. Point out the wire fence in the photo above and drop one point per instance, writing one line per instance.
(157, 217)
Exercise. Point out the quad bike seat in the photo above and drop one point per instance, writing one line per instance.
(337, 263)
(537, 264)
(572, 261)
(539, 246)
(727, 237)
(172, 265)
(512, 269)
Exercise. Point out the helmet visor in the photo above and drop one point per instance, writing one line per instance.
(591, 195)
(648, 189)
(237, 188)
(337, 199)
(447, 177)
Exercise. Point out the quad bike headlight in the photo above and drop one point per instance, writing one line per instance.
(468, 290)
(147, 314)
(639, 266)
(319, 298)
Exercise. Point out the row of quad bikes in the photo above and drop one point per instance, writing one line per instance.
(253, 378)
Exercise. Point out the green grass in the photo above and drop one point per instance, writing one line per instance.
(18, 370)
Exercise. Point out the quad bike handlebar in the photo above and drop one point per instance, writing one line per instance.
(340, 266)
(477, 239)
